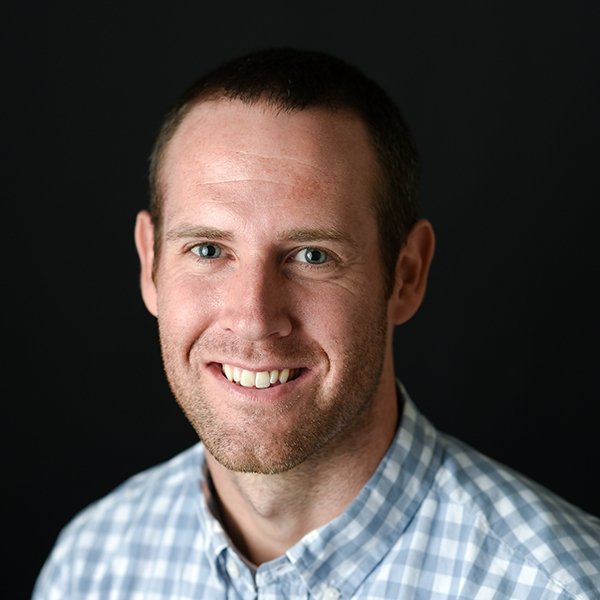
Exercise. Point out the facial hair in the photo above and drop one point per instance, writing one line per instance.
(265, 439)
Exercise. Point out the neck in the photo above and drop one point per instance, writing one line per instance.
(265, 515)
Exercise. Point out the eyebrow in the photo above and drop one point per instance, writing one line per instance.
(302, 235)
(314, 235)
(186, 232)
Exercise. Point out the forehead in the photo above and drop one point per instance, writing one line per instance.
(255, 154)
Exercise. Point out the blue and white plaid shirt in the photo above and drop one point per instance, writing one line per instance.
(437, 520)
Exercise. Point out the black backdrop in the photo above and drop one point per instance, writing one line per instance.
(503, 98)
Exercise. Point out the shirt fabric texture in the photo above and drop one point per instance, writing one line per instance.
(437, 520)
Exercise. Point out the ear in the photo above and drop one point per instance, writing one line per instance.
(144, 242)
(412, 270)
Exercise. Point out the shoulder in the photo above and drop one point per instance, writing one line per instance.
(147, 493)
(519, 521)
(139, 513)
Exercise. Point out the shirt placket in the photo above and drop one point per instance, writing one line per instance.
(240, 580)
(280, 579)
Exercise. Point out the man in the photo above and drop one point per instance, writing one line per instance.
(282, 247)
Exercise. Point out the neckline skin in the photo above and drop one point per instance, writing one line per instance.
(265, 515)
(244, 547)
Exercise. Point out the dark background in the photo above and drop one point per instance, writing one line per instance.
(503, 98)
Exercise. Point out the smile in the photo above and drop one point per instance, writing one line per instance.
(258, 379)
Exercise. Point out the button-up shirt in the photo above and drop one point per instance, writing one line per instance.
(436, 520)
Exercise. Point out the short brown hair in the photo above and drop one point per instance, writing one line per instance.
(292, 79)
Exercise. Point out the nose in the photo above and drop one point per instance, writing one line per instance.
(254, 306)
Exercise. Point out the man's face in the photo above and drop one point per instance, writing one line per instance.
(270, 269)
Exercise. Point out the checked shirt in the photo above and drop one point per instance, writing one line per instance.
(437, 520)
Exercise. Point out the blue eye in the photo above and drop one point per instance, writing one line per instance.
(207, 251)
(312, 256)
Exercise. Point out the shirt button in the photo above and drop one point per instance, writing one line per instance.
(233, 569)
(331, 593)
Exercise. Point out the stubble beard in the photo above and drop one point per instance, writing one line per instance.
(265, 440)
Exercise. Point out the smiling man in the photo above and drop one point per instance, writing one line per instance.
(282, 247)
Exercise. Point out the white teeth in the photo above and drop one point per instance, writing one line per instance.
(237, 374)
(258, 379)
(228, 371)
(263, 379)
(248, 378)
(284, 375)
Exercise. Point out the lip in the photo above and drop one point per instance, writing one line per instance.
(274, 393)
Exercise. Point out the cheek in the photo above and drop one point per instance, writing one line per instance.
(186, 306)
(339, 317)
